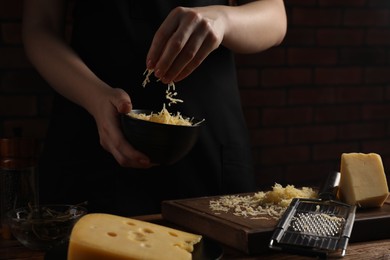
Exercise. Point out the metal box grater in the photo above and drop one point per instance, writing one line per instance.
(316, 226)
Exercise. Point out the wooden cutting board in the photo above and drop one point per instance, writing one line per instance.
(252, 236)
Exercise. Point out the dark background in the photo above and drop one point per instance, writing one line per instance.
(324, 91)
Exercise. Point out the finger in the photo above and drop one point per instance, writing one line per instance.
(189, 54)
(200, 56)
(121, 101)
(161, 37)
(124, 153)
(127, 156)
(124, 107)
(176, 43)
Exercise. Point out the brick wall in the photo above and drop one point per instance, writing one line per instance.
(24, 97)
(324, 91)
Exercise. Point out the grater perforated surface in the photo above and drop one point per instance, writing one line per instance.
(316, 224)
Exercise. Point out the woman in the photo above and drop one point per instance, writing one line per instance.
(98, 76)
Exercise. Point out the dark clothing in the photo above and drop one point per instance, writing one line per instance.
(113, 37)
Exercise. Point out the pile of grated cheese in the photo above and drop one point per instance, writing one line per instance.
(261, 204)
(163, 117)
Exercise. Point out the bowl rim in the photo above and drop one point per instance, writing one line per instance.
(199, 122)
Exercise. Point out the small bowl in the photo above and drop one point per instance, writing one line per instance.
(43, 227)
(165, 144)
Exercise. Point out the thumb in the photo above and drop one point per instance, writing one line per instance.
(122, 102)
(124, 107)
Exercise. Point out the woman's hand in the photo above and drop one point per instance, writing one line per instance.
(188, 35)
(183, 41)
(107, 110)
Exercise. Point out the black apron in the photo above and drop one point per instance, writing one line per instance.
(113, 37)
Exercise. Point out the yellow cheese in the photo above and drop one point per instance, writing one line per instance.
(363, 180)
(111, 237)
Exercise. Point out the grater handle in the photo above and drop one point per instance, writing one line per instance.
(347, 230)
(329, 188)
(283, 223)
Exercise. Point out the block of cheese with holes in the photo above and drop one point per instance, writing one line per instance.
(104, 236)
(363, 180)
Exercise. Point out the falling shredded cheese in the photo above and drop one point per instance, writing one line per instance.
(261, 204)
(147, 74)
(170, 93)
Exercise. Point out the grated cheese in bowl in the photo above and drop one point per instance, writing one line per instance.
(261, 205)
(163, 117)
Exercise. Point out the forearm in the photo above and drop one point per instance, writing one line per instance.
(56, 61)
(64, 71)
(255, 26)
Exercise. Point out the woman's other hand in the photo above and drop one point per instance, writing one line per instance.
(188, 35)
(183, 41)
(107, 110)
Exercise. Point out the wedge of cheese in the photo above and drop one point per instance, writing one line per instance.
(363, 180)
(111, 237)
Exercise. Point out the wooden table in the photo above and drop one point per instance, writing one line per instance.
(380, 249)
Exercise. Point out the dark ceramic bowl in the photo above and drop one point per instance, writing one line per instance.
(164, 144)
(43, 227)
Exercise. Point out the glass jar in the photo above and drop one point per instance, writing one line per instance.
(18, 177)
